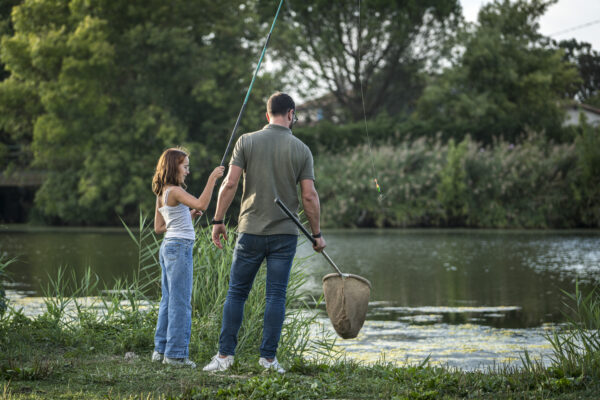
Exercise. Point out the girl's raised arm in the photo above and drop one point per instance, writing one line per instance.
(200, 203)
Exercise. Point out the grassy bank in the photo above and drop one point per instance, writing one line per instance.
(76, 351)
(42, 362)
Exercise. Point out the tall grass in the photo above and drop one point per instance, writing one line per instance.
(211, 281)
(123, 317)
(576, 349)
(5, 261)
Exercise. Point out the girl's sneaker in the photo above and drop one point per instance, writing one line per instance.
(274, 365)
(182, 362)
(219, 364)
(156, 356)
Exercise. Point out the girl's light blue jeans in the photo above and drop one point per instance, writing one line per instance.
(249, 253)
(174, 325)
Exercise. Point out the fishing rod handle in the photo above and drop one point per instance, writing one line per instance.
(296, 221)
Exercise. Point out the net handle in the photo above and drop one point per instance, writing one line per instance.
(306, 233)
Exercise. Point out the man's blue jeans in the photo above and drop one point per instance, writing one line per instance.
(249, 253)
(174, 325)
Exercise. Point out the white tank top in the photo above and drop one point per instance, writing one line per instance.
(178, 220)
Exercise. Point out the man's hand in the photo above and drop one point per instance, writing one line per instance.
(319, 244)
(218, 231)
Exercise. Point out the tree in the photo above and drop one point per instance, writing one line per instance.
(321, 44)
(508, 79)
(587, 61)
(8, 146)
(101, 88)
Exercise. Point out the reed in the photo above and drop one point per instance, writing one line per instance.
(576, 347)
(5, 261)
(211, 281)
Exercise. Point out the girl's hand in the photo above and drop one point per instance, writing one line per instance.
(195, 213)
(217, 173)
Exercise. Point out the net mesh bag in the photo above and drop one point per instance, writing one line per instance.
(346, 301)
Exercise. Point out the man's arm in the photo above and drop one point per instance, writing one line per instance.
(312, 209)
(226, 194)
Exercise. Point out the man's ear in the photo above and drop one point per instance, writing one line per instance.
(267, 115)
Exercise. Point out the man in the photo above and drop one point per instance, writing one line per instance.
(273, 163)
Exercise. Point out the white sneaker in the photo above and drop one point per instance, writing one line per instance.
(182, 362)
(156, 356)
(274, 365)
(219, 364)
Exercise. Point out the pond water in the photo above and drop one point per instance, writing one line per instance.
(466, 298)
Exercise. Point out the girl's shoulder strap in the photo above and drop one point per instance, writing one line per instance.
(166, 196)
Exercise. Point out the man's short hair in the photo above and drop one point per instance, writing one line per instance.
(280, 103)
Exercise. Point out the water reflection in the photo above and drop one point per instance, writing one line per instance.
(110, 253)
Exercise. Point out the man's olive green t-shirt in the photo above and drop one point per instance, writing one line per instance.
(274, 162)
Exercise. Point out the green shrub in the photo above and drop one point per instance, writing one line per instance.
(525, 185)
(427, 183)
(328, 137)
(407, 173)
(586, 187)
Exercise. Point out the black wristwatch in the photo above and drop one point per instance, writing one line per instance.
(216, 222)
(317, 235)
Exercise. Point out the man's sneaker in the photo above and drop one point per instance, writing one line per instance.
(182, 362)
(274, 365)
(156, 356)
(219, 364)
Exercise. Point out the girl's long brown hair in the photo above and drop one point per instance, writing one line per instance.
(167, 168)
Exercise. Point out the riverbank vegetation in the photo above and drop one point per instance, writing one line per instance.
(95, 342)
(532, 183)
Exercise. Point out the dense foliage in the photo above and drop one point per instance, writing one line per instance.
(530, 184)
(508, 79)
(98, 89)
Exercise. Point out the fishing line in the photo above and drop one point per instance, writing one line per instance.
(239, 118)
(362, 97)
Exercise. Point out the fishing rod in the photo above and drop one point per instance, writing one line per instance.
(362, 97)
(239, 118)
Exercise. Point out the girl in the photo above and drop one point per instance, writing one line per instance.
(173, 216)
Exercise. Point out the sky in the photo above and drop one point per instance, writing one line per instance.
(561, 16)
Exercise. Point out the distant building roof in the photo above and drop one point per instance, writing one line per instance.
(322, 108)
(574, 110)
